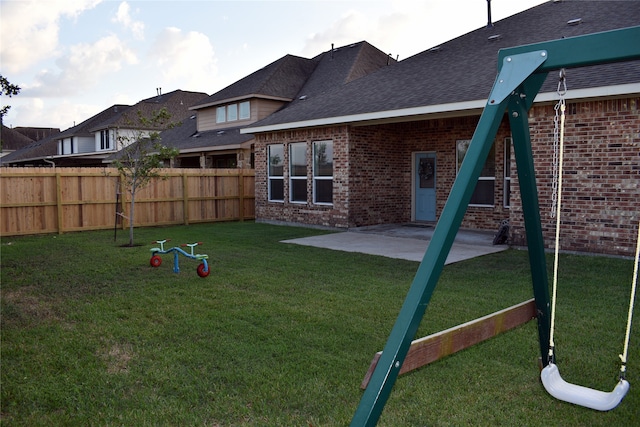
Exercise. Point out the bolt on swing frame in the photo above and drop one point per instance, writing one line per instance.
(521, 72)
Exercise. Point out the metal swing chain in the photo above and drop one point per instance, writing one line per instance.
(562, 90)
(558, 149)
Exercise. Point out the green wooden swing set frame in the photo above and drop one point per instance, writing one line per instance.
(521, 72)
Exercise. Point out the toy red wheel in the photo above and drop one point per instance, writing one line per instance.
(155, 261)
(202, 272)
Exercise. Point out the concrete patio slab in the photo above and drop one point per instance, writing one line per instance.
(402, 242)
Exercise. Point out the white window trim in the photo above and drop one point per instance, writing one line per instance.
(320, 178)
(219, 110)
(273, 177)
(230, 108)
(240, 116)
(293, 177)
(481, 178)
(316, 179)
(506, 203)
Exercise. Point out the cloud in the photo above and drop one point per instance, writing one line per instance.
(401, 31)
(186, 59)
(37, 112)
(123, 17)
(84, 65)
(407, 27)
(32, 27)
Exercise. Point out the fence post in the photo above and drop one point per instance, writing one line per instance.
(241, 190)
(59, 201)
(185, 197)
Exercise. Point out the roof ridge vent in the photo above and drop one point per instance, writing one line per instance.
(574, 21)
(435, 49)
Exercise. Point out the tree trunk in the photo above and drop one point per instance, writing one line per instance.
(131, 216)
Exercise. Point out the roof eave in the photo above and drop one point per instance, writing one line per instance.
(454, 109)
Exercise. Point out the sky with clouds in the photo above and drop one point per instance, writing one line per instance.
(75, 58)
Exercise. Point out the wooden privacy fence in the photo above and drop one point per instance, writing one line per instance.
(58, 200)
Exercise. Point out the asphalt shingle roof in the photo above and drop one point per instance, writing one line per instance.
(13, 140)
(177, 104)
(280, 79)
(463, 69)
(37, 149)
(186, 137)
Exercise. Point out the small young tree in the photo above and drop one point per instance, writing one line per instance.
(142, 155)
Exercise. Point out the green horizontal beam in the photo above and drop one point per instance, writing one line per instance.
(592, 49)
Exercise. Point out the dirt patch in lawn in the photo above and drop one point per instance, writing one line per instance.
(23, 307)
(117, 358)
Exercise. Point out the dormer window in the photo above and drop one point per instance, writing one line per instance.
(233, 112)
(245, 110)
(221, 114)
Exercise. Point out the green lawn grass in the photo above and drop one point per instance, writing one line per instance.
(282, 335)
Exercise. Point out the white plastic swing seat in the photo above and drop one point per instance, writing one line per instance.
(578, 395)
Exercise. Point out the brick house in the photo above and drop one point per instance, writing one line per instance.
(385, 147)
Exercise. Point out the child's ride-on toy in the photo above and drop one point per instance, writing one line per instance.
(156, 259)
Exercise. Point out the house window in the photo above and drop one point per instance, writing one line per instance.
(507, 172)
(298, 172)
(221, 114)
(104, 140)
(245, 110)
(483, 195)
(276, 172)
(232, 112)
(323, 172)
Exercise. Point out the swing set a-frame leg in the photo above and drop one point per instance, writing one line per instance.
(428, 274)
(522, 71)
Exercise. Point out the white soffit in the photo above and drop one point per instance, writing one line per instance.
(451, 109)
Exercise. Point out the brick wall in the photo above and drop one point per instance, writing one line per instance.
(381, 172)
(304, 213)
(373, 175)
(601, 181)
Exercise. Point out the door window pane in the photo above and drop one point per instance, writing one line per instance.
(426, 172)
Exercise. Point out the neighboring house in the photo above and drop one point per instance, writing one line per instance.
(385, 148)
(36, 134)
(46, 152)
(12, 140)
(18, 138)
(211, 136)
(19, 143)
(94, 141)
